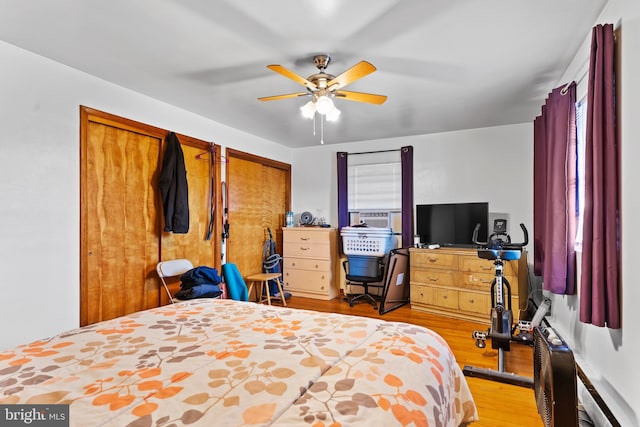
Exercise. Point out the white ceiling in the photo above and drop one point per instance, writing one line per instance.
(444, 64)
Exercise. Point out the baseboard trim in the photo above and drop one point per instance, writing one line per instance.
(602, 405)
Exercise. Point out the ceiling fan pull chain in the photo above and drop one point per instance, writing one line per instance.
(322, 129)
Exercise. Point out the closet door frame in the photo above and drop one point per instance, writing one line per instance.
(88, 115)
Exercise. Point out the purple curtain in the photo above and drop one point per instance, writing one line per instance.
(599, 284)
(539, 189)
(554, 215)
(343, 200)
(406, 160)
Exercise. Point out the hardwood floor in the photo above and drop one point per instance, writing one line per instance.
(499, 405)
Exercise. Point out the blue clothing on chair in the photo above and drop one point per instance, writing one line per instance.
(199, 282)
(202, 275)
(236, 288)
(199, 291)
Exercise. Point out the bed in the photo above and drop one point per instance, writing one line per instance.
(213, 362)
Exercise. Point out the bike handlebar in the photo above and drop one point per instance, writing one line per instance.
(502, 245)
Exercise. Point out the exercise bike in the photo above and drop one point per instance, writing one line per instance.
(499, 248)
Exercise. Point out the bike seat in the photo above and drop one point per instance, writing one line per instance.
(510, 255)
(492, 254)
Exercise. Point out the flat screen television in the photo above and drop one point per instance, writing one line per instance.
(452, 224)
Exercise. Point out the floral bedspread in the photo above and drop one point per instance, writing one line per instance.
(228, 363)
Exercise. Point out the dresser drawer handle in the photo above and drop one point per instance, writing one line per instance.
(302, 248)
(444, 297)
(293, 264)
(433, 279)
(317, 266)
(305, 238)
(471, 301)
(433, 259)
(486, 268)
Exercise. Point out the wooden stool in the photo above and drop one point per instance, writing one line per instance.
(262, 279)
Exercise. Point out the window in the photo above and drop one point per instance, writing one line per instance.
(375, 181)
(581, 136)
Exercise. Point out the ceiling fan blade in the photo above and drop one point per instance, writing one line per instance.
(371, 98)
(293, 76)
(285, 96)
(358, 71)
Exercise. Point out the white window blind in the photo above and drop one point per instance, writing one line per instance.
(375, 180)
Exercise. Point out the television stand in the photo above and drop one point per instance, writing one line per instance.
(454, 282)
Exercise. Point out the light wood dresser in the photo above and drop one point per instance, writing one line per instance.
(309, 264)
(454, 282)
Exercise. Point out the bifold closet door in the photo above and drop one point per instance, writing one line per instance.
(121, 222)
(259, 194)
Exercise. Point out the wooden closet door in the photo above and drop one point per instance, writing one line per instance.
(192, 245)
(121, 222)
(259, 194)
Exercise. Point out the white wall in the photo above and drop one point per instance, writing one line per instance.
(492, 165)
(609, 356)
(39, 182)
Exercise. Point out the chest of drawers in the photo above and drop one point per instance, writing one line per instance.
(310, 261)
(454, 282)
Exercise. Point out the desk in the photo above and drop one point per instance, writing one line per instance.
(262, 280)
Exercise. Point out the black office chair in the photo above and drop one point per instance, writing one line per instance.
(374, 280)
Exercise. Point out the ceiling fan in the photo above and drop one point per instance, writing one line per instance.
(323, 86)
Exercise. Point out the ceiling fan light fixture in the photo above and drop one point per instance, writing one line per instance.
(333, 114)
(324, 104)
(308, 110)
(323, 86)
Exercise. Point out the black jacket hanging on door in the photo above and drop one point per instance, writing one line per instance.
(173, 187)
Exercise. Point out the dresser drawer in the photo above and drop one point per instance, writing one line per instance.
(306, 264)
(307, 250)
(307, 281)
(480, 265)
(305, 236)
(482, 281)
(445, 298)
(475, 281)
(421, 294)
(474, 302)
(431, 276)
(434, 259)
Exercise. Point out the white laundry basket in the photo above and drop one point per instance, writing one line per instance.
(367, 241)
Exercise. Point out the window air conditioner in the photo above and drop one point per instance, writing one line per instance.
(380, 219)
